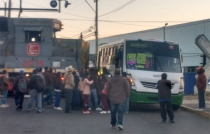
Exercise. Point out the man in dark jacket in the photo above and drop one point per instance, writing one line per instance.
(93, 90)
(164, 95)
(34, 95)
(201, 86)
(117, 91)
(19, 95)
(48, 86)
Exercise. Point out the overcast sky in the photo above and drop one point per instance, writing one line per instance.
(149, 14)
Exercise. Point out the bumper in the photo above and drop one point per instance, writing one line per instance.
(152, 98)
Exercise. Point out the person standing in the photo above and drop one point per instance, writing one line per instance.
(93, 90)
(103, 92)
(57, 89)
(77, 96)
(5, 81)
(86, 92)
(68, 88)
(117, 91)
(124, 74)
(20, 82)
(48, 86)
(201, 87)
(35, 83)
(164, 96)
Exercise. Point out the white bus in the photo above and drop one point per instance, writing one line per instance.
(144, 61)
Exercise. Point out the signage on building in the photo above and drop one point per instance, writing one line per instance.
(33, 49)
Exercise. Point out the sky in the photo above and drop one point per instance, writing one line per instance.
(132, 16)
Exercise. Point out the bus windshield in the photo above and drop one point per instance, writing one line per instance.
(153, 56)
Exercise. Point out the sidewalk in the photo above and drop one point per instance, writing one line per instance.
(190, 103)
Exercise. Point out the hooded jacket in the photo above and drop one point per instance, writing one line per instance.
(118, 90)
(201, 80)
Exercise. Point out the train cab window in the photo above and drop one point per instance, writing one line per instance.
(32, 36)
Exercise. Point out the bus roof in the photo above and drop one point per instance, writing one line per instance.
(124, 40)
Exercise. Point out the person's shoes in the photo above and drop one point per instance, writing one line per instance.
(58, 108)
(98, 109)
(197, 109)
(17, 107)
(120, 127)
(84, 112)
(89, 109)
(87, 112)
(171, 121)
(38, 111)
(2, 106)
(103, 112)
(6, 105)
(108, 112)
(113, 127)
(28, 110)
(126, 112)
(163, 121)
(201, 109)
(20, 109)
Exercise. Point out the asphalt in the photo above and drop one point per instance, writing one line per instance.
(191, 105)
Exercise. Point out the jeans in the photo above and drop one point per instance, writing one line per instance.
(19, 98)
(4, 93)
(68, 100)
(34, 95)
(93, 93)
(48, 98)
(76, 99)
(165, 106)
(127, 104)
(120, 109)
(58, 98)
(201, 98)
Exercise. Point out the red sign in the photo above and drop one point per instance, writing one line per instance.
(32, 49)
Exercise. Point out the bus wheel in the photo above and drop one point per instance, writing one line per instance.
(175, 107)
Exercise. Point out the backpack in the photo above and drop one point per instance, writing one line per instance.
(22, 85)
(39, 84)
(81, 86)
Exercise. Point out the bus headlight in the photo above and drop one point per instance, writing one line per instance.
(181, 83)
(131, 79)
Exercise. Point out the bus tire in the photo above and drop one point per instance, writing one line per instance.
(175, 107)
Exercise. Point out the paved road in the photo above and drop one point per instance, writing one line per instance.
(145, 120)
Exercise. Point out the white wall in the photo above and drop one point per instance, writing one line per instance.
(183, 34)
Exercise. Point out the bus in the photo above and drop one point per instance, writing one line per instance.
(144, 61)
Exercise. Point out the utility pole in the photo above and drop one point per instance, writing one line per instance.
(20, 11)
(9, 9)
(5, 9)
(96, 31)
(164, 31)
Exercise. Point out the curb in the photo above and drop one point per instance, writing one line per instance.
(201, 113)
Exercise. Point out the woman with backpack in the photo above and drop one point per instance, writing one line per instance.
(4, 80)
(102, 91)
(57, 89)
(86, 92)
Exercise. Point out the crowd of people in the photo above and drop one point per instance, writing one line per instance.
(99, 92)
(87, 90)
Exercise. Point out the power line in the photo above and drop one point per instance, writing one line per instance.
(61, 12)
(90, 6)
(119, 8)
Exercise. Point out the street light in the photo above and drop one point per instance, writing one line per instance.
(164, 28)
